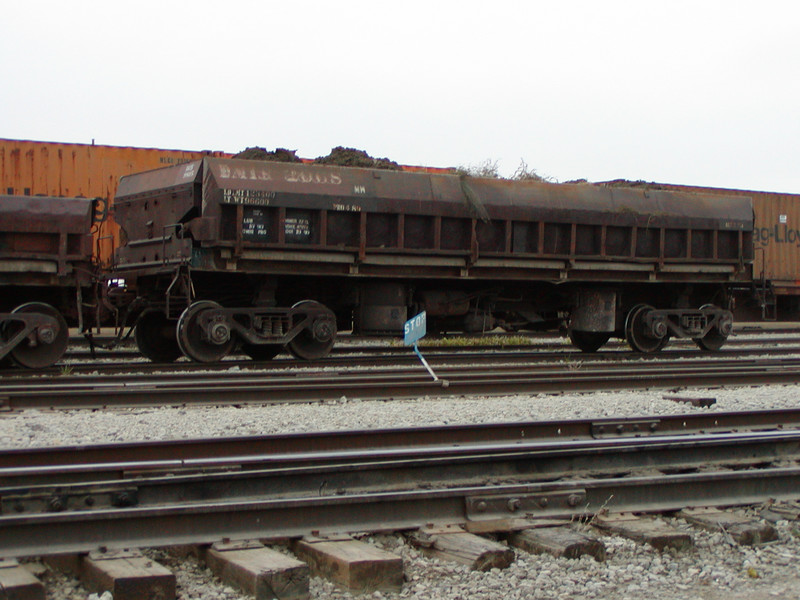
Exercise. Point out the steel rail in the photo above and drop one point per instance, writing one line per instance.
(66, 464)
(554, 341)
(355, 471)
(107, 335)
(393, 356)
(310, 386)
(497, 364)
(380, 507)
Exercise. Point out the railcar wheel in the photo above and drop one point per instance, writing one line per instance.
(714, 339)
(588, 341)
(636, 331)
(155, 337)
(262, 351)
(50, 343)
(195, 343)
(314, 342)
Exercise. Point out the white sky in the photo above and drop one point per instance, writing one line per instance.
(692, 92)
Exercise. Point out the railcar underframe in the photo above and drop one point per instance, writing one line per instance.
(47, 276)
(223, 253)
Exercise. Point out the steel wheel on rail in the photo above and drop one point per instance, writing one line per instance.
(201, 341)
(315, 341)
(49, 344)
(714, 339)
(637, 334)
(155, 337)
(588, 341)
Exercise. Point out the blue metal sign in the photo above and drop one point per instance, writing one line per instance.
(415, 329)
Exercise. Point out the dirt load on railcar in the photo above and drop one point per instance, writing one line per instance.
(47, 274)
(227, 253)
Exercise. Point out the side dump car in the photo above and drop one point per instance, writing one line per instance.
(227, 252)
(46, 272)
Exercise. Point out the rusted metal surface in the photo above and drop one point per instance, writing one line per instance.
(45, 241)
(595, 310)
(45, 244)
(32, 168)
(112, 461)
(46, 265)
(436, 466)
(452, 245)
(372, 219)
(777, 240)
(47, 229)
(152, 214)
(207, 522)
(403, 490)
(776, 232)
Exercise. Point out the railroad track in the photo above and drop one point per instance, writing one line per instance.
(105, 362)
(392, 356)
(311, 385)
(69, 464)
(512, 478)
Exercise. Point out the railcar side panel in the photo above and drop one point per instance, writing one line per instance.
(776, 241)
(271, 217)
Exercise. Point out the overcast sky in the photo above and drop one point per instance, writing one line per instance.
(691, 92)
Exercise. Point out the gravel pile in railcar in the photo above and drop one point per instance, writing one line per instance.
(350, 157)
(278, 155)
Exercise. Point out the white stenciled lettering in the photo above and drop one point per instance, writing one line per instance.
(299, 227)
(191, 171)
(259, 175)
(257, 197)
(347, 207)
(294, 176)
(254, 224)
(251, 174)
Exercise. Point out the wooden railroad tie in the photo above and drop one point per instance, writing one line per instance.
(455, 544)
(259, 571)
(351, 564)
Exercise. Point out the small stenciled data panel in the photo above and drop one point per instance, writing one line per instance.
(256, 224)
(297, 227)
(259, 225)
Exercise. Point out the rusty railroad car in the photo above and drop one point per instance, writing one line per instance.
(29, 168)
(47, 275)
(226, 252)
(775, 290)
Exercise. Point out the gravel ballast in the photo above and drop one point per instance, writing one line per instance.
(714, 570)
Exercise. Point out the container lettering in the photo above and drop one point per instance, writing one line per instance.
(776, 234)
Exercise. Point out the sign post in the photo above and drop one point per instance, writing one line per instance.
(413, 331)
